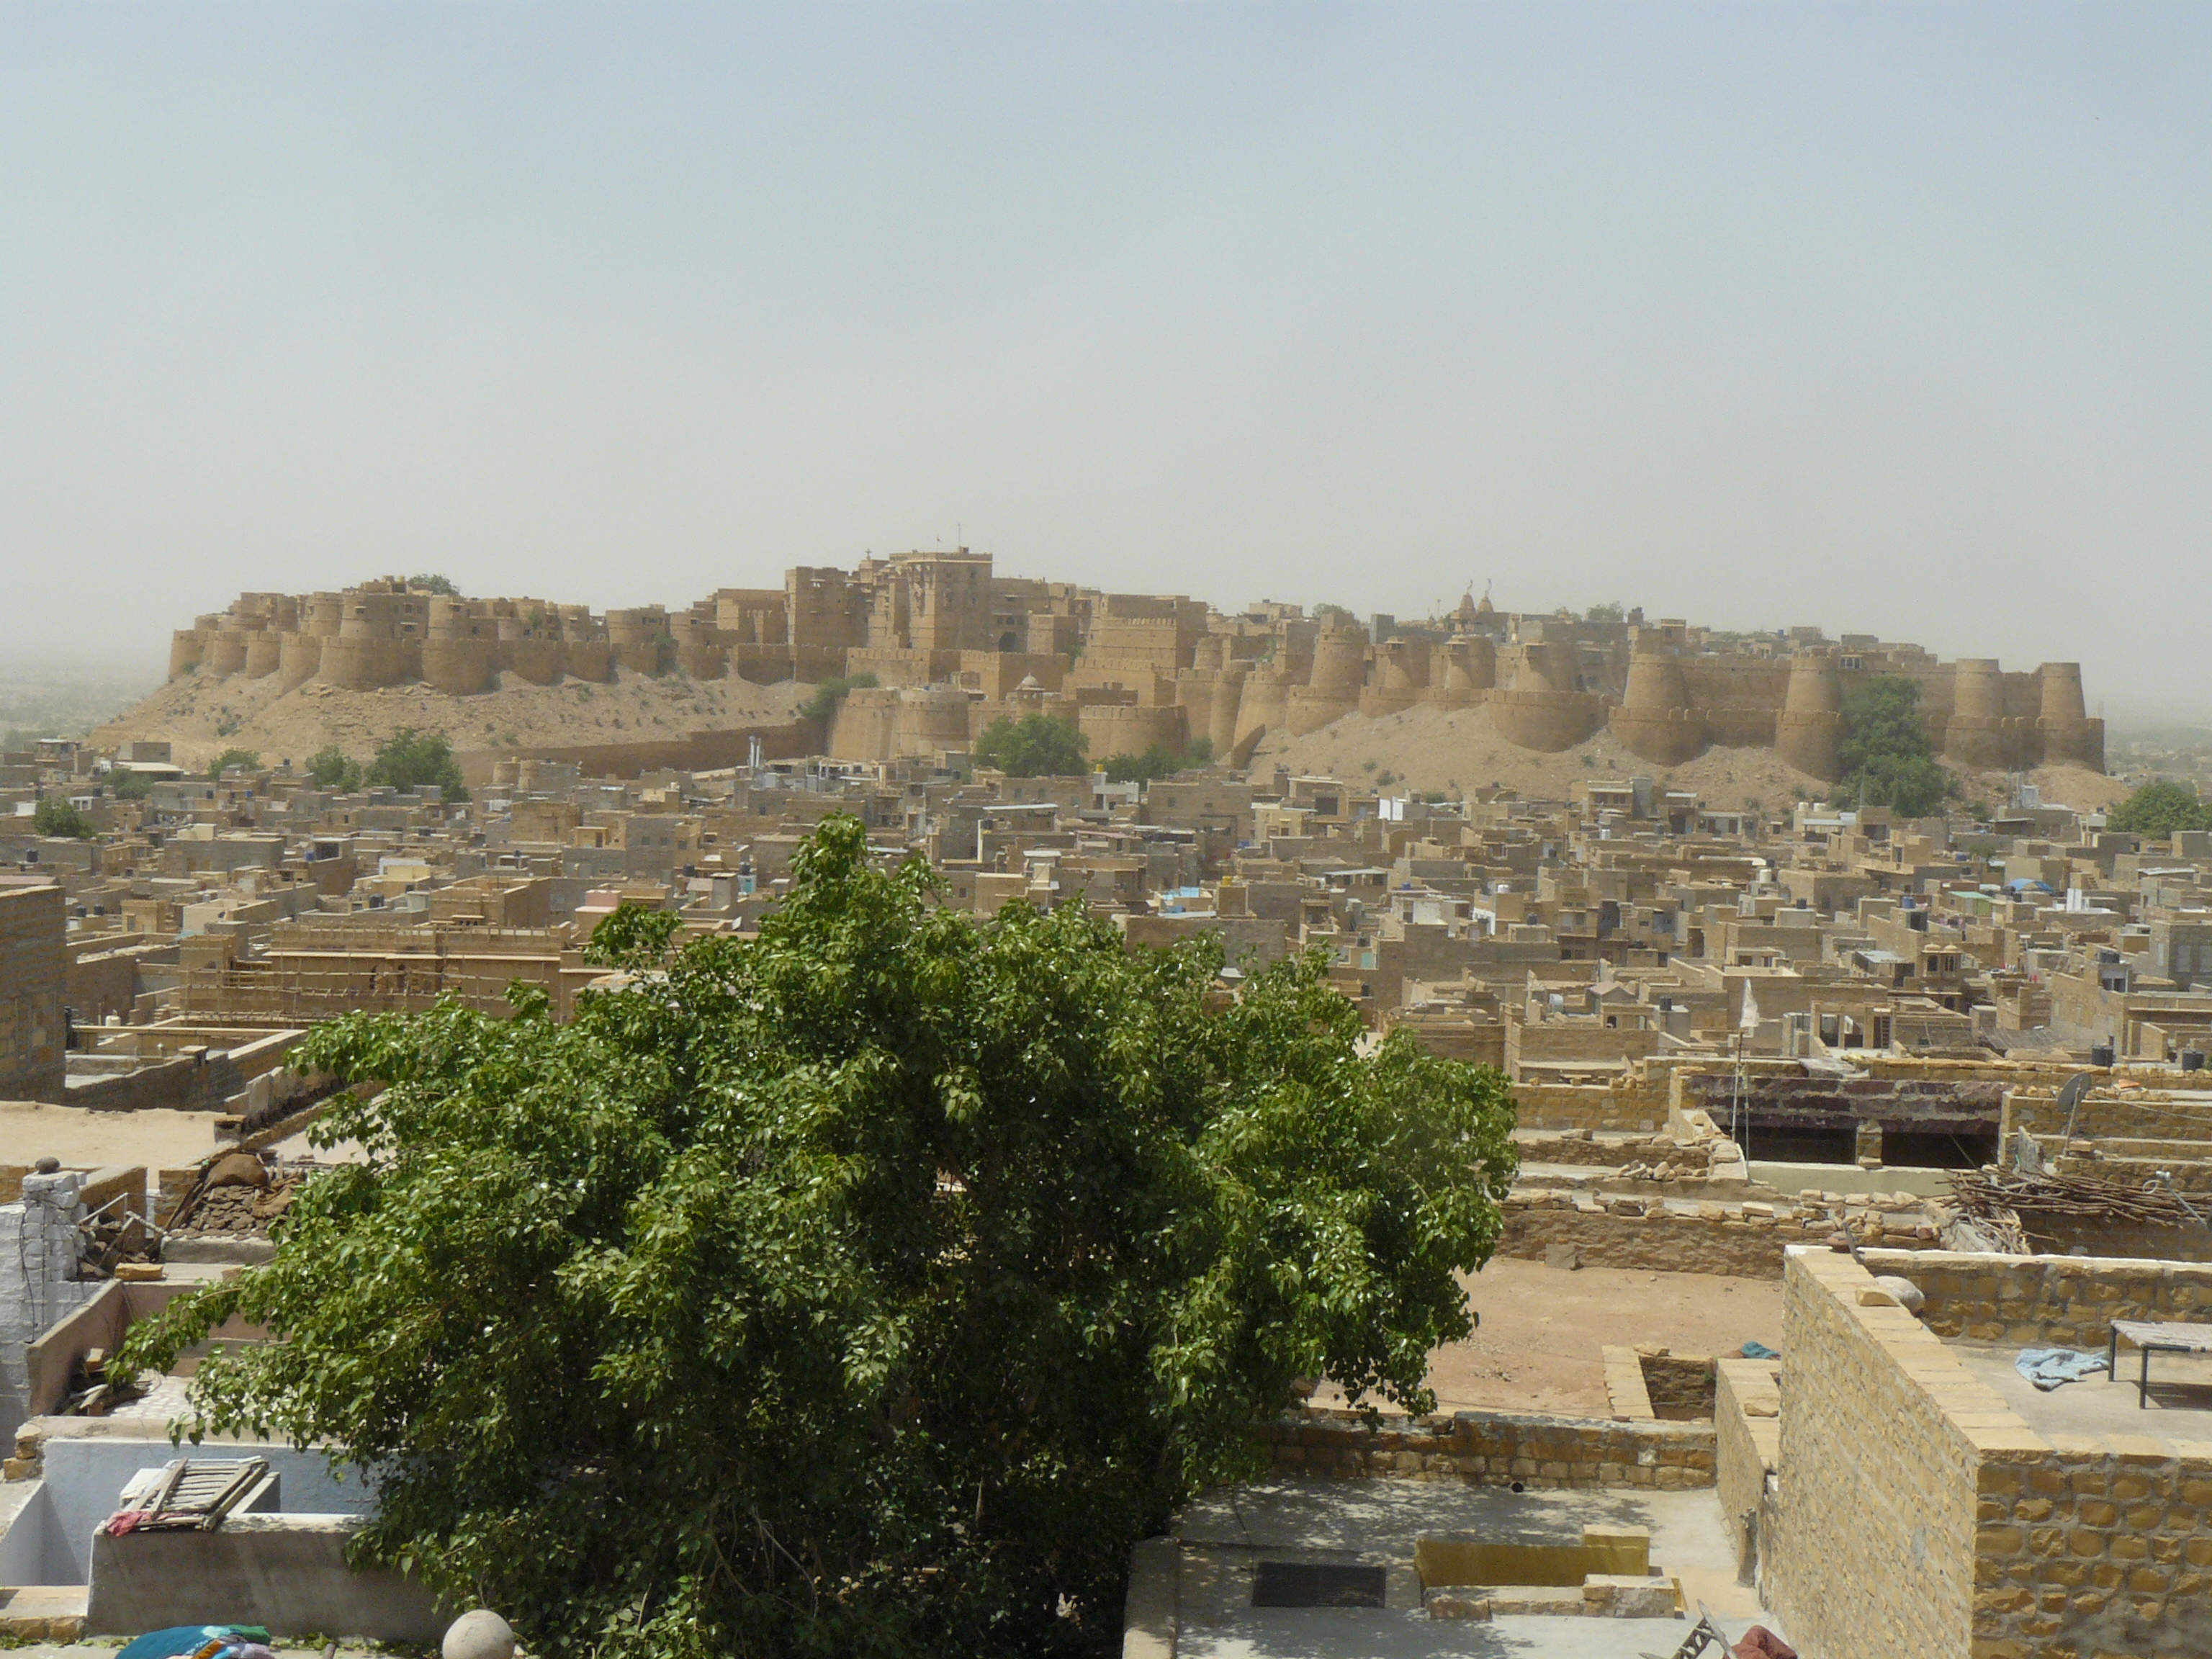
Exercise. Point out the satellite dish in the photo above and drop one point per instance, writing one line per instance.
(2070, 1097)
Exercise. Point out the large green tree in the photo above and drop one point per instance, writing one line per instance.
(867, 1287)
(1157, 762)
(1033, 746)
(828, 694)
(408, 759)
(56, 815)
(1886, 758)
(331, 768)
(2157, 810)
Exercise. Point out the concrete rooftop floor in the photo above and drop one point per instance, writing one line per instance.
(2180, 1406)
(1226, 1532)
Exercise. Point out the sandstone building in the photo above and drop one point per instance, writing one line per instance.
(953, 646)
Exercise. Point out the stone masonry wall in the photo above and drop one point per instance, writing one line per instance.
(2100, 1547)
(38, 1279)
(1744, 1240)
(1629, 1106)
(1873, 1555)
(2066, 1302)
(34, 967)
(1747, 1432)
(1496, 1449)
(1919, 1513)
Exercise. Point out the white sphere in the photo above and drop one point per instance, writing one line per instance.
(481, 1634)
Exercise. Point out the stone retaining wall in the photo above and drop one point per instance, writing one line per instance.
(1741, 1240)
(2067, 1302)
(1628, 1106)
(1578, 1148)
(1496, 1449)
(1919, 1513)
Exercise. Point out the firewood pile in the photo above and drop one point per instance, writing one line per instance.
(1993, 1202)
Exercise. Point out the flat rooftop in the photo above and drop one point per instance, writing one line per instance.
(1226, 1534)
(2177, 1406)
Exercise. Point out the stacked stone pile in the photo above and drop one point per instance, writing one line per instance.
(239, 1199)
(39, 1284)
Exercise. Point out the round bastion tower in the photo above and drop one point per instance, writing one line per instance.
(1655, 719)
(1401, 676)
(1541, 709)
(1340, 669)
(1809, 726)
(1978, 734)
(457, 648)
(2069, 737)
(1463, 673)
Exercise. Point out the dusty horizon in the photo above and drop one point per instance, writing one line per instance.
(1888, 322)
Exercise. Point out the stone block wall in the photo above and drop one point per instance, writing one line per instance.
(33, 969)
(1917, 1512)
(1496, 1449)
(1744, 1240)
(1575, 1146)
(1873, 1552)
(1629, 1107)
(38, 1279)
(2067, 1302)
(2096, 1547)
(1747, 1443)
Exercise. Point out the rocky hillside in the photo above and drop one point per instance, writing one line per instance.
(1426, 749)
(202, 716)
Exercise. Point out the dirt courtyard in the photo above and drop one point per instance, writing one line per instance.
(1538, 1348)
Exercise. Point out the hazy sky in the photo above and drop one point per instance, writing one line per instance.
(1894, 319)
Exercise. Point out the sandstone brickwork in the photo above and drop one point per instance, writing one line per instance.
(1496, 1449)
(1917, 1512)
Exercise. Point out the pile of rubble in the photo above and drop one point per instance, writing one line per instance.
(238, 1196)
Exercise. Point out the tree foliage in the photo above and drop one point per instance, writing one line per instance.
(1886, 755)
(864, 1287)
(127, 785)
(1612, 611)
(409, 759)
(245, 760)
(1157, 762)
(2157, 810)
(1034, 746)
(54, 815)
(631, 935)
(440, 586)
(331, 768)
(828, 694)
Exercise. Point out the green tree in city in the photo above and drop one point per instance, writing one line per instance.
(440, 586)
(865, 1286)
(1033, 746)
(828, 694)
(2157, 810)
(244, 759)
(127, 785)
(53, 816)
(409, 759)
(1157, 762)
(330, 768)
(1883, 747)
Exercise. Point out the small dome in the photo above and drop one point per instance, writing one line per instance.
(1029, 684)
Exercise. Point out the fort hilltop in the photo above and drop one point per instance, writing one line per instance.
(951, 646)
